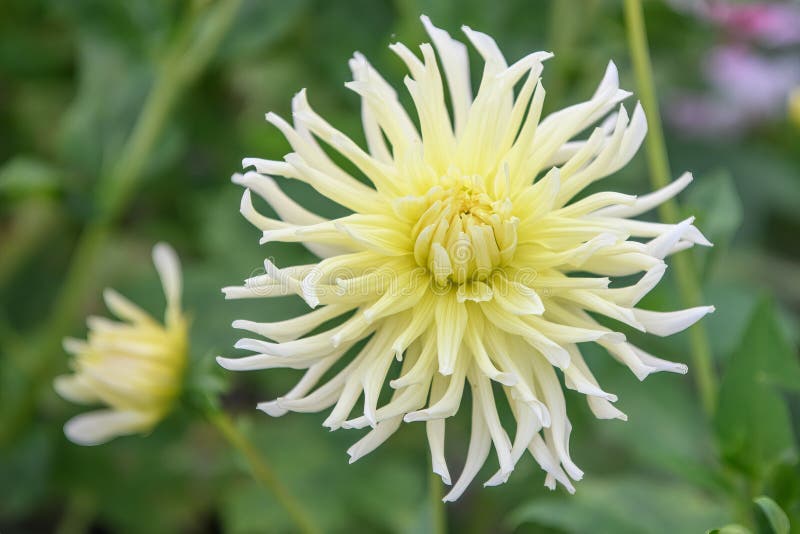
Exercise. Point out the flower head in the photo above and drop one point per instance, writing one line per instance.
(135, 367)
(468, 258)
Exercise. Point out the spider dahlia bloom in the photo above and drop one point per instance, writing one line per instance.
(134, 366)
(467, 258)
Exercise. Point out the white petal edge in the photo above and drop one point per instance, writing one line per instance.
(168, 266)
(100, 426)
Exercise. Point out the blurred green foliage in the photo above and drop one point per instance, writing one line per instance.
(73, 79)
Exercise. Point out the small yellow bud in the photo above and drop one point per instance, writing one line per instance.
(134, 366)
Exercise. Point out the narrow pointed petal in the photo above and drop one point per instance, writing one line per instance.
(668, 323)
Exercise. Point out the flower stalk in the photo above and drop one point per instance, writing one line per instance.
(658, 164)
(261, 470)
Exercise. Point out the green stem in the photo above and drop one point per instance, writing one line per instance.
(438, 512)
(261, 470)
(660, 175)
(36, 367)
(186, 58)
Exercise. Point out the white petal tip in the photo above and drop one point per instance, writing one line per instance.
(499, 478)
(412, 417)
(507, 379)
(272, 408)
(230, 364)
(443, 473)
(642, 371)
(78, 437)
(228, 292)
(494, 481)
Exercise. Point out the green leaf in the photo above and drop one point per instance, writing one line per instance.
(25, 472)
(730, 529)
(626, 505)
(715, 202)
(113, 84)
(752, 421)
(775, 515)
(164, 473)
(380, 493)
(661, 413)
(24, 176)
(111, 88)
(277, 18)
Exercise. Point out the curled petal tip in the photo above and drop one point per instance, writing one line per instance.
(224, 362)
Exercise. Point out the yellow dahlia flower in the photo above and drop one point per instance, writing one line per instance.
(467, 258)
(134, 366)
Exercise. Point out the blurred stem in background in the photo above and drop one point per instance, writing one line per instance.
(261, 470)
(660, 176)
(438, 511)
(185, 59)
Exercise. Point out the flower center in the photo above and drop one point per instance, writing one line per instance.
(463, 233)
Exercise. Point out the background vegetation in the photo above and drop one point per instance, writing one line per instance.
(166, 97)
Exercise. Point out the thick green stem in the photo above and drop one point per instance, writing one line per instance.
(261, 470)
(660, 175)
(186, 58)
(438, 512)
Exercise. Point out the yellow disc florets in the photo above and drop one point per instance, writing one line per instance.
(463, 233)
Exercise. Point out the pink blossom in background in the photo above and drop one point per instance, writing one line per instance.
(770, 23)
(757, 83)
(747, 86)
(746, 89)
(774, 24)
